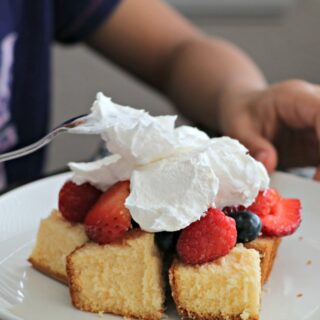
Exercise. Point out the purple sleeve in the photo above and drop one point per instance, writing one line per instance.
(76, 19)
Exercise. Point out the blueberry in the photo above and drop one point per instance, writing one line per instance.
(248, 225)
(166, 241)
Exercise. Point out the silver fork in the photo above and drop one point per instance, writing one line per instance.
(63, 127)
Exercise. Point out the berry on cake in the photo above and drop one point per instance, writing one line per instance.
(164, 195)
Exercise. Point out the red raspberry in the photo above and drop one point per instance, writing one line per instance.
(109, 219)
(76, 200)
(209, 238)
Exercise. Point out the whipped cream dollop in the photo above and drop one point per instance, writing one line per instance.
(175, 174)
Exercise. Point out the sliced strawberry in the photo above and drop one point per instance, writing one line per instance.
(209, 238)
(264, 202)
(284, 218)
(76, 200)
(273, 197)
(109, 219)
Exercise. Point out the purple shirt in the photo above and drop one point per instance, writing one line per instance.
(27, 30)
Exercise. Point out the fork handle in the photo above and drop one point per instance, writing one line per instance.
(32, 147)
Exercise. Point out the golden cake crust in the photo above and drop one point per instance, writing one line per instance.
(184, 308)
(48, 272)
(187, 314)
(76, 287)
(56, 238)
(267, 248)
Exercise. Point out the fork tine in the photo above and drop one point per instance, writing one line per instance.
(64, 127)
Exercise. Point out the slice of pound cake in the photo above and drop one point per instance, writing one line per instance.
(122, 278)
(227, 288)
(56, 238)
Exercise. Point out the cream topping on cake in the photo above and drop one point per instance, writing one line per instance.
(168, 194)
(175, 173)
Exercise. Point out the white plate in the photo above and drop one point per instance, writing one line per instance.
(292, 293)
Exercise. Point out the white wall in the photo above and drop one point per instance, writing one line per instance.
(284, 47)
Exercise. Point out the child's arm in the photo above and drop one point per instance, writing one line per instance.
(150, 40)
(213, 82)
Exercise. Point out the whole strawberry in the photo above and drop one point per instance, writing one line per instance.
(109, 219)
(213, 236)
(76, 200)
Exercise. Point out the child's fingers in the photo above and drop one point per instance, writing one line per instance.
(298, 104)
(259, 147)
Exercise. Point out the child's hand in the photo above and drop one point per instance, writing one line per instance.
(279, 125)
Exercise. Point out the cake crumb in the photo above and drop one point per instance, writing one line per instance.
(300, 238)
(299, 295)
(309, 262)
(245, 315)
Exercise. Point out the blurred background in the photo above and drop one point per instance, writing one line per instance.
(280, 35)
